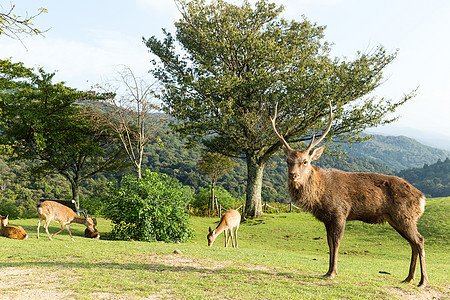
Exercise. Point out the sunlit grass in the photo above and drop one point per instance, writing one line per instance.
(280, 256)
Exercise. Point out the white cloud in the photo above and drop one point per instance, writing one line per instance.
(167, 7)
(79, 64)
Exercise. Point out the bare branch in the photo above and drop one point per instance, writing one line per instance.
(15, 27)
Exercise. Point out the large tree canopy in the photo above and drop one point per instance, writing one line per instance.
(235, 63)
(43, 122)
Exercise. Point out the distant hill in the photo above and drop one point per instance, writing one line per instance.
(433, 180)
(397, 152)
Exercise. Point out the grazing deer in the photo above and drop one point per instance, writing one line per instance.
(335, 197)
(54, 211)
(229, 222)
(92, 234)
(12, 232)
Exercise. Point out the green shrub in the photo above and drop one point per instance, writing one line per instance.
(150, 209)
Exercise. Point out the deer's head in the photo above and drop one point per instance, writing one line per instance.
(210, 236)
(299, 161)
(4, 221)
(90, 223)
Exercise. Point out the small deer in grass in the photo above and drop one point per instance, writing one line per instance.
(229, 223)
(12, 232)
(335, 197)
(54, 211)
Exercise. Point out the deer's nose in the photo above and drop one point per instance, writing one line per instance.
(292, 175)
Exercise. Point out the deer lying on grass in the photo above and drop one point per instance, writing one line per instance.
(54, 211)
(12, 232)
(229, 222)
(92, 234)
(335, 197)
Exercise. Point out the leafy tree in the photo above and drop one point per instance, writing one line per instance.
(215, 165)
(43, 123)
(235, 62)
(150, 209)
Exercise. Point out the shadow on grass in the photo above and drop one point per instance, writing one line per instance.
(161, 267)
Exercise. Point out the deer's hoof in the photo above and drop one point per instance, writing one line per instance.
(408, 280)
(329, 276)
(422, 284)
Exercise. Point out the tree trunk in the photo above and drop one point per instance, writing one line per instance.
(212, 199)
(139, 171)
(253, 204)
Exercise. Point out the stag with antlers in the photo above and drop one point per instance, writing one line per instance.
(335, 197)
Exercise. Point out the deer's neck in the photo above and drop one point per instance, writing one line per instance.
(80, 220)
(219, 229)
(308, 193)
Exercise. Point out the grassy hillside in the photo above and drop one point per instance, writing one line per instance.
(280, 256)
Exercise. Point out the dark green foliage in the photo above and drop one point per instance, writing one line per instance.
(46, 123)
(202, 199)
(150, 209)
(19, 194)
(432, 180)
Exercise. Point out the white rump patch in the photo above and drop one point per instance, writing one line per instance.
(422, 204)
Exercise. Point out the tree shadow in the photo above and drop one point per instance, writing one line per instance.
(161, 267)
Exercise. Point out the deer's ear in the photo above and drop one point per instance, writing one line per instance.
(316, 153)
(210, 230)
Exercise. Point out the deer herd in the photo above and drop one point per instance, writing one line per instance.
(331, 196)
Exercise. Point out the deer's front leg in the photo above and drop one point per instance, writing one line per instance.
(335, 231)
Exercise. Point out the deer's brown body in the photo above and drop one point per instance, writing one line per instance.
(335, 197)
(54, 211)
(229, 224)
(10, 231)
(368, 197)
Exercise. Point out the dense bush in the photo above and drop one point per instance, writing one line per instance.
(202, 199)
(150, 209)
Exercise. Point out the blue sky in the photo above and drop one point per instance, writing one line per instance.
(88, 39)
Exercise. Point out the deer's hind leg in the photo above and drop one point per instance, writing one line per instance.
(235, 236)
(47, 222)
(62, 228)
(408, 230)
(39, 226)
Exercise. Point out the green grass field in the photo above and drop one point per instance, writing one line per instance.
(280, 256)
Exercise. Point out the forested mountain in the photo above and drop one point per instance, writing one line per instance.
(397, 152)
(432, 179)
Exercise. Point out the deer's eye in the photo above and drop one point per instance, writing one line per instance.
(305, 162)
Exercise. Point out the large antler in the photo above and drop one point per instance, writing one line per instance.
(313, 143)
(275, 130)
